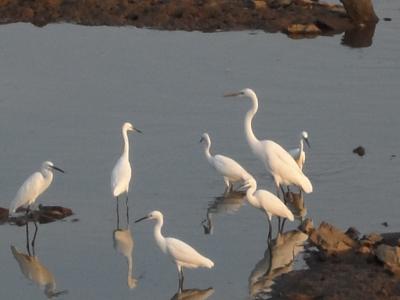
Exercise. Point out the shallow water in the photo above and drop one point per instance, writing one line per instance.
(66, 90)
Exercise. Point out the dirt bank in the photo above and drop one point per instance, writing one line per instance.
(294, 17)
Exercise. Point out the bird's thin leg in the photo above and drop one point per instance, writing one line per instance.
(283, 194)
(180, 276)
(283, 225)
(270, 230)
(127, 209)
(34, 237)
(27, 238)
(117, 210)
(227, 186)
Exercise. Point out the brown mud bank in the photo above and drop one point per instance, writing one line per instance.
(294, 17)
(44, 214)
(343, 265)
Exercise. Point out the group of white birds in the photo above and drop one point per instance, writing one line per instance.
(285, 168)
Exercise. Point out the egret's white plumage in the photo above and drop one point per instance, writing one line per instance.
(123, 243)
(267, 202)
(35, 185)
(231, 170)
(277, 160)
(122, 172)
(299, 154)
(181, 253)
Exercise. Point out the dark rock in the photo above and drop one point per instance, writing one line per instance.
(360, 11)
(45, 214)
(353, 233)
(373, 238)
(3, 215)
(359, 37)
(307, 226)
(387, 19)
(360, 150)
(385, 224)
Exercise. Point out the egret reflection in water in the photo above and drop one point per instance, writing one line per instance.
(123, 244)
(35, 271)
(193, 294)
(278, 259)
(227, 204)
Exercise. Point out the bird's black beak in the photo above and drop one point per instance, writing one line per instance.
(141, 219)
(308, 143)
(232, 94)
(137, 130)
(58, 169)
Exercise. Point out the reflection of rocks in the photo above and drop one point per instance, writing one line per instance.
(206, 15)
(359, 37)
(45, 214)
(360, 11)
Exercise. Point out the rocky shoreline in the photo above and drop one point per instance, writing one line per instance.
(293, 17)
(343, 265)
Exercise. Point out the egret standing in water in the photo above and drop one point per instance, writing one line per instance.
(298, 154)
(33, 187)
(226, 166)
(279, 163)
(266, 202)
(122, 172)
(181, 253)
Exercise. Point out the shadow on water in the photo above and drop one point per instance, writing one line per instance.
(229, 203)
(193, 294)
(34, 270)
(123, 244)
(278, 259)
(359, 37)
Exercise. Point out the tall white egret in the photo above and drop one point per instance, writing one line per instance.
(34, 186)
(36, 272)
(181, 253)
(122, 172)
(267, 202)
(279, 163)
(298, 154)
(226, 166)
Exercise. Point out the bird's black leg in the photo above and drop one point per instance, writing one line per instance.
(270, 230)
(127, 209)
(27, 238)
(283, 194)
(117, 208)
(283, 225)
(34, 237)
(180, 277)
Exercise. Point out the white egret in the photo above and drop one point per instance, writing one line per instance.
(226, 166)
(267, 202)
(122, 172)
(34, 186)
(298, 154)
(181, 253)
(36, 272)
(277, 160)
(123, 243)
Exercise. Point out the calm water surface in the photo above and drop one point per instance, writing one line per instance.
(66, 90)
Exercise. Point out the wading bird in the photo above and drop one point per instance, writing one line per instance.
(225, 166)
(122, 172)
(278, 162)
(266, 202)
(33, 187)
(298, 154)
(181, 253)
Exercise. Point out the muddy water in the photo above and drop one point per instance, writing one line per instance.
(66, 90)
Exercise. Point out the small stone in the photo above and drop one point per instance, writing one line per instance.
(353, 233)
(385, 224)
(360, 150)
(303, 29)
(307, 226)
(374, 238)
(387, 19)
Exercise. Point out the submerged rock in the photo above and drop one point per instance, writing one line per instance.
(360, 150)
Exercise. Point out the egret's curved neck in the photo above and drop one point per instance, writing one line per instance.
(125, 152)
(47, 174)
(250, 195)
(158, 235)
(207, 147)
(251, 138)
